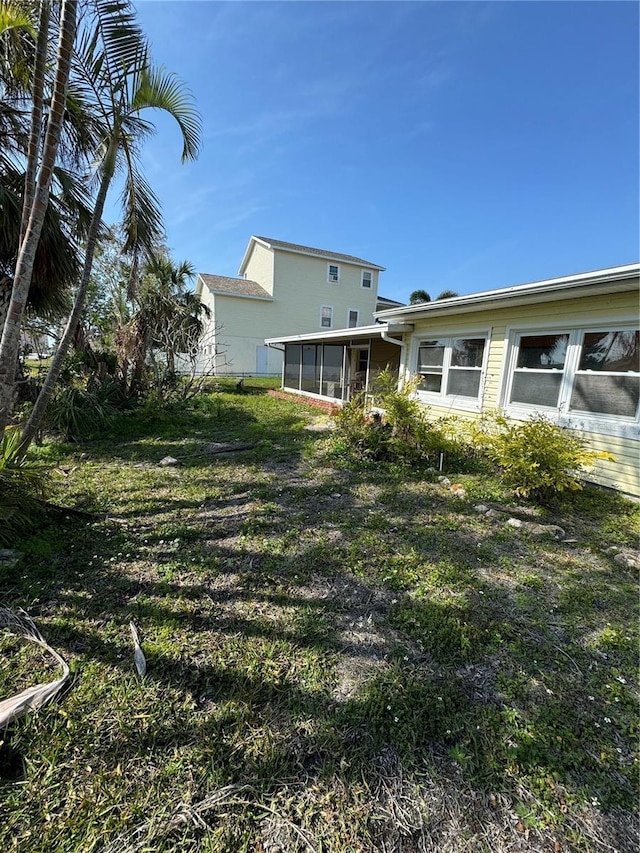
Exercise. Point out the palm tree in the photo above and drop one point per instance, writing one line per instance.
(418, 296)
(447, 294)
(40, 165)
(57, 260)
(125, 85)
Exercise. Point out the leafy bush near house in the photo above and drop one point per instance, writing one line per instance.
(537, 458)
(401, 431)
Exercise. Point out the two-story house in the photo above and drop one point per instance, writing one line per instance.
(282, 289)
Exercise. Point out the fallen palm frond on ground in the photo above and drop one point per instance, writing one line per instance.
(39, 694)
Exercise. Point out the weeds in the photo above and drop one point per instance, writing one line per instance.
(338, 658)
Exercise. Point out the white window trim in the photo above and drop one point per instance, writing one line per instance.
(595, 422)
(322, 308)
(442, 399)
(357, 313)
(333, 280)
(362, 284)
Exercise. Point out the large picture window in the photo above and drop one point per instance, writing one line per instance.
(581, 372)
(451, 367)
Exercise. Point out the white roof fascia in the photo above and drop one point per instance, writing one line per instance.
(345, 334)
(539, 291)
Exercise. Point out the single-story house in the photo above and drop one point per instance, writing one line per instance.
(567, 348)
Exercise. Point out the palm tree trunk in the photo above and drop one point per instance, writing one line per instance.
(10, 343)
(37, 106)
(37, 413)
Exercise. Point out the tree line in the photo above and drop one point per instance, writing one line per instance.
(77, 83)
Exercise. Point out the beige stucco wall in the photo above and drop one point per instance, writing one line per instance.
(568, 314)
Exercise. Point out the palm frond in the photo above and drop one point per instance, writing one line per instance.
(158, 89)
(123, 41)
(38, 695)
(142, 220)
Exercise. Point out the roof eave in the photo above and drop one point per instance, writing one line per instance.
(600, 281)
(374, 331)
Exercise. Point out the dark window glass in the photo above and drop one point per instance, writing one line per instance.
(430, 354)
(617, 352)
(542, 352)
(467, 352)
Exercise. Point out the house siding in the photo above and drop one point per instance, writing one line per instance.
(596, 311)
(302, 288)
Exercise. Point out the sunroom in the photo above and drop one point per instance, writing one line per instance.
(336, 365)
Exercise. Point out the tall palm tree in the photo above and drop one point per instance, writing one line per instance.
(57, 259)
(126, 85)
(40, 165)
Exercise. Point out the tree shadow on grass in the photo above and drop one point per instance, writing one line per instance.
(482, 676)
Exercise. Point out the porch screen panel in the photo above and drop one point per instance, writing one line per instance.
(292, 356)
(332, 371)
(311, 368)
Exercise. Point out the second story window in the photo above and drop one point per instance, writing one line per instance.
(352, 319)
(326, 317)
(333, 273)
(367, 279)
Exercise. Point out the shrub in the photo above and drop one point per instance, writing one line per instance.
(537, 458)
(402, 432)
(21, 487)
(75, 411)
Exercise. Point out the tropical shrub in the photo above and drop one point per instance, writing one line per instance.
(537, 458)
(21, 488)
(398, 429)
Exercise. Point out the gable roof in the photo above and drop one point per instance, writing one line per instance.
(227, 286)
(295, 248)
(610, 280)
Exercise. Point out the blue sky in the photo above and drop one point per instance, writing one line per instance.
(461, 145)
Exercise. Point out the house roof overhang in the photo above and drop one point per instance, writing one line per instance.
(598, 282)
(359, 334)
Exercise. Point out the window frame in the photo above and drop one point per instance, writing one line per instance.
(331, 280)
(441, 398)
(355, 311)
(362, 275)
(330, 309)
(625, 426)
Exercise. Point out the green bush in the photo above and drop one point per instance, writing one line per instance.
(21, 488)
(537, 458)
(399, 430)
(75, 411)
